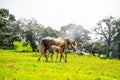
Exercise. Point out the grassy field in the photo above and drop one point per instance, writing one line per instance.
(17, 65)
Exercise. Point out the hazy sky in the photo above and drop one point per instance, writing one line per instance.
(57, 13)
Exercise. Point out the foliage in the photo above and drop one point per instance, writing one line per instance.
(95, 47)
(27, 30)
(51, 32)
(32, 32)
(7, 35)
(87, 46)
(19, 47)
(117, 37)
(117, 23)
(76, 32)
(107, 31)
(17, 66)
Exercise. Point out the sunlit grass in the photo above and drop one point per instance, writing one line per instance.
(19, 47)
(18, 65)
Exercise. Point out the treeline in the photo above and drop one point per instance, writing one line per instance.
(7, 35)
(29, 31)
(107, 34)
(25, 30)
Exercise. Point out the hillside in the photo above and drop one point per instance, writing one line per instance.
(16, 65)
(22, 64)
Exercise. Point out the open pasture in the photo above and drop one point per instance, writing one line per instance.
(17, 65)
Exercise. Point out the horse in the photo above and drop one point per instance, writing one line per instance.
(46, 43)
(57, 49)
(49, 41)
(70, 43)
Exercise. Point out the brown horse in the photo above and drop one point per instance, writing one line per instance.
(49, 41)
(58, 49)
(70, 42)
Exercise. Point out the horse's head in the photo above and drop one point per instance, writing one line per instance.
(72, 43)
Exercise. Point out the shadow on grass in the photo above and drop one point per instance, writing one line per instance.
(23, 51)
(7, 47)
(107, 57)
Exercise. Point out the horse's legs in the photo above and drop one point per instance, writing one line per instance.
(52, 56)
(52, 52)
(45, 55)
(56, 57)
(40, 55)
(39, 58)
(65, 56)
(46, 58)
(60, 57)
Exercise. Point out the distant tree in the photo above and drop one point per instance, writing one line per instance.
(50, 32)
(88, 47)
(30, 38)
(6, 31)
(117, 37)
(29, 29)
(95, 47)
(107, 31)
(32, 32)
(76, 32)
(100, 48)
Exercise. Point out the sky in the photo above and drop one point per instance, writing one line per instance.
(57, 13)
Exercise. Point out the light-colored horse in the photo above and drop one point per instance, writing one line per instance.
(49, 41)
(70, 42)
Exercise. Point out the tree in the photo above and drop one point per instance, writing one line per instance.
(29, 29)
(32, 32)
(76, 32)
(95, 47)
(30, 38)
(107, 31)
(50, 32)
(6, 31)
(88, 47)
(117, 37)
(117, 23)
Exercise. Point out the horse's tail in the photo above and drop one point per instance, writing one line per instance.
(42, 47)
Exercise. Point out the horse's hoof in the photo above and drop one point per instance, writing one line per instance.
(65, 60)
(46, 61)
(38, 59)
(55, 60)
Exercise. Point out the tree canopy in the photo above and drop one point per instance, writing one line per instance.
(7, 35)
(32, 32)
(76, 32)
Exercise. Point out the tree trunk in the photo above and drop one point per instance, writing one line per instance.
(109, 50)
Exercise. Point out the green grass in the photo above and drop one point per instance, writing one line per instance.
(19, 47)
(15, 65)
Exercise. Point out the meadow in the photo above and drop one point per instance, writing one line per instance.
(20, 64)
